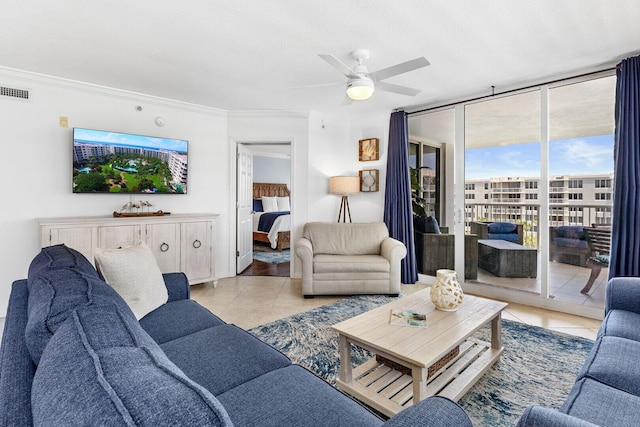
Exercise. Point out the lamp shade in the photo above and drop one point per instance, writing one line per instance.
(359, 89)
(344, 185)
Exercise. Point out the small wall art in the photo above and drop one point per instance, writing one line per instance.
(369, 180)
(368, 150)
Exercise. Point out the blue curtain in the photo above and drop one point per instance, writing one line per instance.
(397, 198)
(625, 231)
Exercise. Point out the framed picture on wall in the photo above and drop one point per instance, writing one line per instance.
(369, 180)
(368, 150)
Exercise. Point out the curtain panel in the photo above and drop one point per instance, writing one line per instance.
(625, 231)
(398, 214)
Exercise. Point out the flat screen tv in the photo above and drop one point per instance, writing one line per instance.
(113, 162)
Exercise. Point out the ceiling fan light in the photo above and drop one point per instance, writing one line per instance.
(359, 89)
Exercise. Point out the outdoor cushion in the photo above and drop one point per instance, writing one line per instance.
(602, 405)
(509, 237)
(213, 357)
(575, 232)
(310, 402)
(614, 361)
(119, 377)
(501, 227)
(568, 242)
(176, 319)
(426, 225)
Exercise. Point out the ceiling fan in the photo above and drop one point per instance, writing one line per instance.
(361, 83)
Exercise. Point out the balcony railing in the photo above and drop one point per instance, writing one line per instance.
(529, 215)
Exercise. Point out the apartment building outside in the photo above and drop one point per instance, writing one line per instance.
(573, 200)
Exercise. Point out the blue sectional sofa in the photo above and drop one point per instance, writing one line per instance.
(73, 353)
(607, 388)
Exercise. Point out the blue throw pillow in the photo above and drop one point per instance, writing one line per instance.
(257, 205)
(101, 368)
(502, 227)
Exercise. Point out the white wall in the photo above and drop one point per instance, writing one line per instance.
(37, 161)
(369, 207)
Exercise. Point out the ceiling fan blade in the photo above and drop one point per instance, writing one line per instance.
(338, 65)
(404, 67)
(403, 90)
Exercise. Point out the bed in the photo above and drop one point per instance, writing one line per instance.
(276, 226)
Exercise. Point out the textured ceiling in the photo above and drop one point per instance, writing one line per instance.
(253, 54)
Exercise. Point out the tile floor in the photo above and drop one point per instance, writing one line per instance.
(249, 301)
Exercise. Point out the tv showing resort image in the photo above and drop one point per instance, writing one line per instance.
(112, 162)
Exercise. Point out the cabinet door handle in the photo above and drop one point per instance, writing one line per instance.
(197, 243)
(164, 247)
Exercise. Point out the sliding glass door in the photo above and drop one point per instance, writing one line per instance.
(517, 170)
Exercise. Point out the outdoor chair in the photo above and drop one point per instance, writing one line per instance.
(599, 239)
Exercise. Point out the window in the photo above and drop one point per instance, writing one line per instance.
(469, 186)
(575, 196)
(603, 183)
(575, 183)
(532, 185)
(469, 196)
(603, 196)
(533, 196)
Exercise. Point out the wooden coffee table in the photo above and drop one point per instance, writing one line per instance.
(398, 376)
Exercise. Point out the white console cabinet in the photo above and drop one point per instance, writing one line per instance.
(180, 242)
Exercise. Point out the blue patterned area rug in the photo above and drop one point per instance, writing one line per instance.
(272, 256)
(538, 366)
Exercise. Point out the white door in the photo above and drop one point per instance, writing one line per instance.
(244, 208)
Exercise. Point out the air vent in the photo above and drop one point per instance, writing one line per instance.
(10, 92)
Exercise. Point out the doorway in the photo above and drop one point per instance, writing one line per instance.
(263, 209)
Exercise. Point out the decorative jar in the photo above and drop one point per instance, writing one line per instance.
(446, 293)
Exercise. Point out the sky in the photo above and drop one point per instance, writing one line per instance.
(590, 155)
(128, 139)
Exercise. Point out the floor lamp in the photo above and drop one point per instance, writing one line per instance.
(344, 185)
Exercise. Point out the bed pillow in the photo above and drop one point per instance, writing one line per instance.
(283, 204)
(134, 273)
(257, 205)
(269, 204)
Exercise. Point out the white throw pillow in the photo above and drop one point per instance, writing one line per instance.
(283, 204)
(269, 204)
(134, 273)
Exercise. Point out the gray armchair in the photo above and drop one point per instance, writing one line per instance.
(349, 259)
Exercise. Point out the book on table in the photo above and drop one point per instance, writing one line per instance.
(408, 318)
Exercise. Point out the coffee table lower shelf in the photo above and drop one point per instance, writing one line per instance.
(390, 391)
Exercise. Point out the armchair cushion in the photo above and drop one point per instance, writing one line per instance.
(350, 263)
